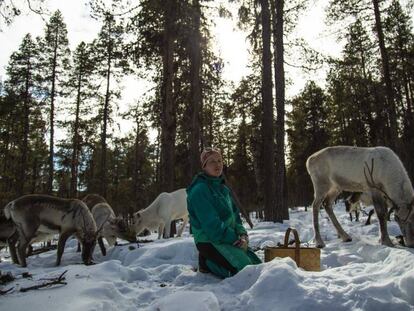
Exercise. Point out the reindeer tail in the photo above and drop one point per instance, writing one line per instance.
(7, 210)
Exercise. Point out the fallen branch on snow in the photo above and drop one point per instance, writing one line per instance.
(53, 281)
(43, 250)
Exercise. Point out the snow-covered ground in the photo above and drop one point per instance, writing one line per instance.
(359, 275)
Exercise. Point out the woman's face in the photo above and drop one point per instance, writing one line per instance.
(214, 166)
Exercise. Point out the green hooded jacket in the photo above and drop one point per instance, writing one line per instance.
(215, 219)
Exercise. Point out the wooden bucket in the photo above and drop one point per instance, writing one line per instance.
(308, 258)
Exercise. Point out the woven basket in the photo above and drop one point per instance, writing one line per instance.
(308, 258)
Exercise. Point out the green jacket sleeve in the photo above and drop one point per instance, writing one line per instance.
(202, 205)
(239, 225)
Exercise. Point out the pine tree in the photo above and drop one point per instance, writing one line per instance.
(267, 125)
(308, 133)
(362, 9)
(242, 170)
(168, 115)
(111, 63)
(55, 61)
(356, 108)
(195, 82)
(81, 84)
(400, 45)
(282, 212)
(20, 88)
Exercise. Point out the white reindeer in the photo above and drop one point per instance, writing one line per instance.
(377, 172)
(161, 212)
(42, 215)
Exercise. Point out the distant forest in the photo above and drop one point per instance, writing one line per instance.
(366, 100)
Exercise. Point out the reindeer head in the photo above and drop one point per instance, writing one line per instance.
(87, 235)
(138, 223)
(88, 241)
(121, 229)
(405, 218)
(404, 213)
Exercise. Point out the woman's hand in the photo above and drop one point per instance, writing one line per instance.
(242, 242)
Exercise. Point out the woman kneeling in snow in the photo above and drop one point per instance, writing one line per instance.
(219, 235)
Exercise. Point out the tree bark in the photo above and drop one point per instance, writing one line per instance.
(75, 149)
(168, 118)
(52, 117)
(267, 121)
(105, 119)
(196, 96)
(282, 212)
(391, 109)
(26, 127)
(136, 190)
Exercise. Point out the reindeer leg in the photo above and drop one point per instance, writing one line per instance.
(167, 229)
(180, 231)
(26, 233)
(11, 241)
(368, 222)
(344, 236)
(102, 246)
(315, 207)
(61, 245)
(381, 210)
(161, 230)
(29, 250)
(21, 252)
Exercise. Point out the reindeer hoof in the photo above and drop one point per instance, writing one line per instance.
(400, 240)
(347, 239)
(387, 243)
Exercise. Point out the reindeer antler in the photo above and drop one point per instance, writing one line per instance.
(372, 184)
(101, 226)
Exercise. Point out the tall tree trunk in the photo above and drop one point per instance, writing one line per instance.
(168, 119)
(5, 182)
(196, 97)
(168, 122)
(34, 175)
(391, 109)
(158, 161)
(25, 145)
(136, 190)
(75, 148)
(267, 121)
(52, 116)
(368, 110)
(282, 212)
(103, 187)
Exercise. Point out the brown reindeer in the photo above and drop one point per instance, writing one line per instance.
(37, 215)
(112, 227)
(7, 229)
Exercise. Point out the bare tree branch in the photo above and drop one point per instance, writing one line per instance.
(50, 282)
